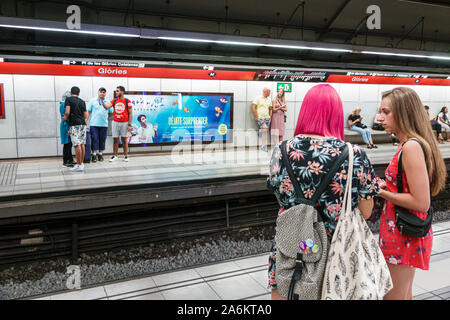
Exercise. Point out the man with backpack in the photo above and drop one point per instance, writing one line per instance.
(121, 124)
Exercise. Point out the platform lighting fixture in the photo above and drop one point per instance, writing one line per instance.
(131, 35)
(255, 44)
(406, 55)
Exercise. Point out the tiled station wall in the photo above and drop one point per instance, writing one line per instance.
(31, 127)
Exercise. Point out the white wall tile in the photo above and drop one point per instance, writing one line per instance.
(8, 148)
(144, 84)
(447, 95)
(368, 112)
(291, 115)
(64, 83)
(35, 119)
(176, 85)
(239, 114)
(437, 93)
(239, 88)
(301, 88)
(8, 86)
(205, 86)
(34, 88)
(369, 93)
(37, 147)
(349, 92)
(423, 92)
(109, 83)
(8, 125)
(255, 89)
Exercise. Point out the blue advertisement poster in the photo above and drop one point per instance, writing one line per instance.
(166, 117)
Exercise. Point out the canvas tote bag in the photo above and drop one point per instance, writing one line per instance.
(356, 268)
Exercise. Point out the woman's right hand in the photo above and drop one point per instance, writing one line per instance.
(381, 183)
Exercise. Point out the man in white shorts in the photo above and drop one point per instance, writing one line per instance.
(121, 124)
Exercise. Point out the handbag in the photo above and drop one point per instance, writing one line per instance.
(408, 223)
(356, 268)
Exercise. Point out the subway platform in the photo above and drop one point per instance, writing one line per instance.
(220, 281)
(44, 176)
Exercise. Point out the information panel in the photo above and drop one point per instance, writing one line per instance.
(169, 117)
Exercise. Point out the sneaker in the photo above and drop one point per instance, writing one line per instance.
(374, 146)
(264, 149)
(113, 158)
(75, 167)
(87, 161)
(125, 159)
(99, 157)
(93, 158)
(68, 165)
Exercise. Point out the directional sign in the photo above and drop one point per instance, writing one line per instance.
(286, 86)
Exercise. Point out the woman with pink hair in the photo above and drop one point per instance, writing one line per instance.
(317, 144)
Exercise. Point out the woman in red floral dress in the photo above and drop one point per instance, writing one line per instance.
(402, 112)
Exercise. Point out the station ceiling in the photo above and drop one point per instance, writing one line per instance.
(412, 25)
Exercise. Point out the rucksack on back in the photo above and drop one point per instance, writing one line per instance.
(301, 238)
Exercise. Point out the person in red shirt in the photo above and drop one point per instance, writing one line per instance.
(121, 124)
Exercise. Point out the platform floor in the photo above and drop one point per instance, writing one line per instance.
(246, 279)
(31, 176)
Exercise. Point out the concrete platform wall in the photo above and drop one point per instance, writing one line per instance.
(31, 127)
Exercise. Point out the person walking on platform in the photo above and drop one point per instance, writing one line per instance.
(312, 153)
(279, 109)
(416, 173)
(355, 124)
(98, 124)
(77, 117)
(123, 116)
(261, 108)
(444, 121)
(64, 133)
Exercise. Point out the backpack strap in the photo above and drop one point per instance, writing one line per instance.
(331, 173)
(299, 196)
(325, 181)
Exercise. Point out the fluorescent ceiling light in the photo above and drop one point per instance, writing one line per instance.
(72, 30)
(255, 44)
(212, 41)
(406, 55)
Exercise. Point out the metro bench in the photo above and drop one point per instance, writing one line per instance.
(378, 137)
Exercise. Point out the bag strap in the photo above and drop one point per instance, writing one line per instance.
(348, 186)
(400, 167)
(325, 181)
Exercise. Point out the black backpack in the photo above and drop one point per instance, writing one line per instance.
(126, 103)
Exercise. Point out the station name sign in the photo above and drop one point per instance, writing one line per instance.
(132, 69)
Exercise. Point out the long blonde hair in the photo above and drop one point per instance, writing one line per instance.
(411, 119)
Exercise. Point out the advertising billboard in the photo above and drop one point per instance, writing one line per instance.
(169, 117)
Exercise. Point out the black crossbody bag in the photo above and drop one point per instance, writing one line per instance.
(408, 223)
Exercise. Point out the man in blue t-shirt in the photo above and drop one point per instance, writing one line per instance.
(98, 122)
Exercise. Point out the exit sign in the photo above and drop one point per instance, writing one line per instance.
(286, 86)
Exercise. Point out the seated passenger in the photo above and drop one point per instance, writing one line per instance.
(316, 146)
(355, 124)
(444, 121)
(436, 126)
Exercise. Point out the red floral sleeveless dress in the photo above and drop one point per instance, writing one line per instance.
(396, 247)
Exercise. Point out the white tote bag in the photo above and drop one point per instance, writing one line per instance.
(356, 268)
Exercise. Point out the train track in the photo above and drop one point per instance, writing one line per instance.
(50, 236)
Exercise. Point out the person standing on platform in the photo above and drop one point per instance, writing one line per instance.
(98, 123)
(77, 117)
(312, 153)
(279, 109)
(123, 116)
(424, 175)
(64, 133)
(261, 108)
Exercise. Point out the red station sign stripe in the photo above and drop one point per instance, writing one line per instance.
(335, 78)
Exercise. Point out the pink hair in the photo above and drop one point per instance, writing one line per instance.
(321, 113)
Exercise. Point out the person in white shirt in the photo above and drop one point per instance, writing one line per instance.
(444, 121)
